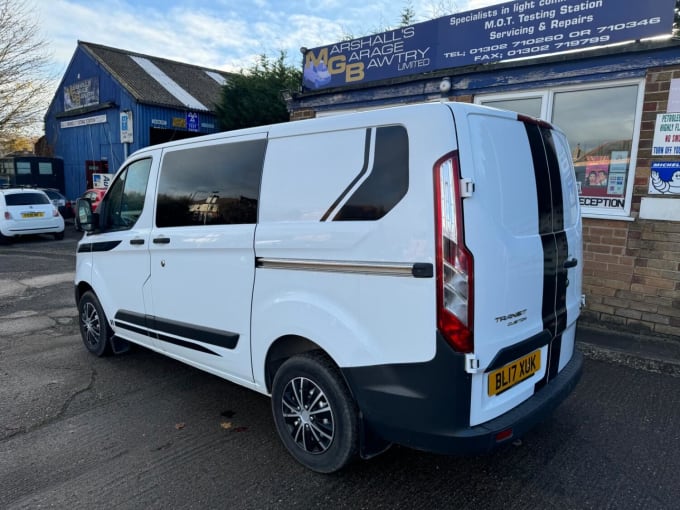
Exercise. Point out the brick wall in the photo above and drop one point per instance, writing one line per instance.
(631, 274)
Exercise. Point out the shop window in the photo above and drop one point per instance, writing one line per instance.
(602, 125)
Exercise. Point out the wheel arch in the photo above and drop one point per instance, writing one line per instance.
(81, 288)
(284, 348)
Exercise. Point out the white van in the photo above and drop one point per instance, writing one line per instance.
(409, 275)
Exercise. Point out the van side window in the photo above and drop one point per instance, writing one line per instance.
(214, 185)
(125, 198)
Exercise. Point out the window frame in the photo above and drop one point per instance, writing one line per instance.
(548, 95)
(106, 200)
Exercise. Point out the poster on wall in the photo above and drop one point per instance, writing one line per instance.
(601, 174)
(82, 93)
(666, 135)
(510, 30)
(664, 178)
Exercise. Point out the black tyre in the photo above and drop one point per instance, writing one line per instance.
(94, 328)
(314, 412)
(59, 235)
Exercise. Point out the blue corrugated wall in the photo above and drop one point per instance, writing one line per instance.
(101, 141)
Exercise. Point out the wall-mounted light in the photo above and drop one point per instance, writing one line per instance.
(445, 84)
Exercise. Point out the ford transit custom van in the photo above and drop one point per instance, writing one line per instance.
(409, 275)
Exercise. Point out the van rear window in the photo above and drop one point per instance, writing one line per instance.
(211, 185)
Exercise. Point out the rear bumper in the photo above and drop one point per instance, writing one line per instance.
(16, 228)
(427, 406)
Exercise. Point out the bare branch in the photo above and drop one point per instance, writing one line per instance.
(25, 78)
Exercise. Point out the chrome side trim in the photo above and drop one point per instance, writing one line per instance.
(336, 266)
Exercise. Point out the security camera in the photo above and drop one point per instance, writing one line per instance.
(445, 84)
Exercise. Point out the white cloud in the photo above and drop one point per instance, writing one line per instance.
(221, 34)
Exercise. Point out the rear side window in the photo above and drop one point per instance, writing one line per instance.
(26, 199)
(212, 185)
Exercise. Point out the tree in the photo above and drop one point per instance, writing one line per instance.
(253, 97)
(408, 15)
(25, 79)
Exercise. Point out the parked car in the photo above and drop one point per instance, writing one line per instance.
(95, 196)
(62, 203)
(26, 211)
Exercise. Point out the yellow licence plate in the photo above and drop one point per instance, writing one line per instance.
(514, 373)
(32, 214)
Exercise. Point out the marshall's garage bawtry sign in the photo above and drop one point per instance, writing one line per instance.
(500, 32)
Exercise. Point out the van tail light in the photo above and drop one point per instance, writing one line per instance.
(454, 262)
(8, 216)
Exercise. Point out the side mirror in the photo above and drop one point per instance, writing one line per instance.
(83, 219)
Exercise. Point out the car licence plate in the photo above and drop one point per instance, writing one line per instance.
(35, 214)
(514, 373)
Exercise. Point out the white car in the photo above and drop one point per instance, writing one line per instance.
(25, 211)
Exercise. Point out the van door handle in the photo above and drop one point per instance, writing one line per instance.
(161, 240)
(136, 241)
(570, 263)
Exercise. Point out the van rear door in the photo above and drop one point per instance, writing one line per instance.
(522, 228)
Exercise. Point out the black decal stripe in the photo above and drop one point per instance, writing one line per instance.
(387, 182)
(555, 180)
(562, 252)
(545, 224)
(100, 246)
(134, 329)
(543, 188)
(146, 324)
(553, 239)
(561, 241)
(554, 357)
(362, 172)
(184, 343)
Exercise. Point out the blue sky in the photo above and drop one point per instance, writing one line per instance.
(222, 34)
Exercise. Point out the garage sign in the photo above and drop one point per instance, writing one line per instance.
(510, 30)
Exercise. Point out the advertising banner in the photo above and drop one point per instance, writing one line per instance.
(510, 30)
(82, 93)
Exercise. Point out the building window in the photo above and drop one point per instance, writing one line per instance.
(602, 125)
(45, 168)
(23, 168)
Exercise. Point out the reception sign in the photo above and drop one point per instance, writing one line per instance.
(524, 28)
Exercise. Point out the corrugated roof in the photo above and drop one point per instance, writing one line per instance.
(185, 80)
